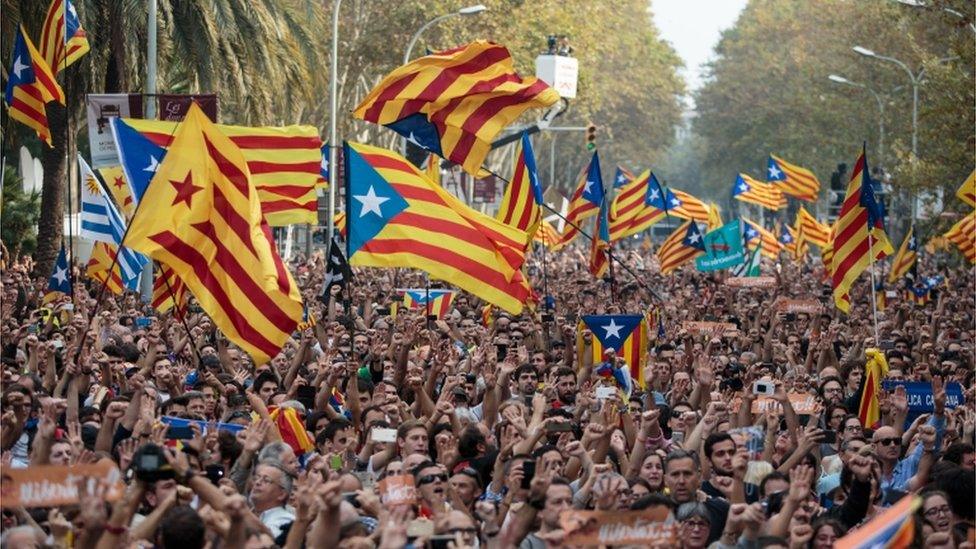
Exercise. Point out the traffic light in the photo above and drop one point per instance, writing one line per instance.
(590, 137)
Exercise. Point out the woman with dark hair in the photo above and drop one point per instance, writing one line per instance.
(935, 510)
(652, 471)
(826, 532)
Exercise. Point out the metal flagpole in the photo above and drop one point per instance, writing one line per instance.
(146, 282)
(874, 298)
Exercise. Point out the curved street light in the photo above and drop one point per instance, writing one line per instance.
(469, 10)
(837, 79)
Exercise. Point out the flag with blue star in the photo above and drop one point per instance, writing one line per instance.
(625, 334)
(396, 217)
(752, 191)
(60, 282)
(522, 204)
(585, 202)
(660, 197)
(792, 179)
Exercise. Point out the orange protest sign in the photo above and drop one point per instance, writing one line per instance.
(51, 485)
(808, 306)
(750, 281)
(398, 490)
(600, 528)
(708, 328)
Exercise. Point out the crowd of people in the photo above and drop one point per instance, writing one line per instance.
(375, 429)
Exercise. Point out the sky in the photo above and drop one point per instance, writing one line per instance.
(693, 27)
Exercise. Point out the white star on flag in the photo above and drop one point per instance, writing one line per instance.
(694, 238)
(412, 139)
(743, 187)
(325, 164)
(61, 275)
(911, 242)
(72, 10)
(587, 185)
(655, 194)
(774, 172)
(371, 202)
(613, 328)
(621, 178)
(19, 66)
(153, 165)
(675, 201)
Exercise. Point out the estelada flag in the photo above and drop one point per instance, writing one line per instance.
(201, 217)
(397, 218)
(285, 165)
(859, 237)
(30, 86)
(625, 334)
(453, 103)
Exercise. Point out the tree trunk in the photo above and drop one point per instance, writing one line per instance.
(51, 222)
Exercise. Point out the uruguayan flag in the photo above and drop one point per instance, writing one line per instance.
(102, 222)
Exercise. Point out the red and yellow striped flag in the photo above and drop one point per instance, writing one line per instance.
(630, 213)
(680, 247)
(967, 191)
(859, 220)
(814, 232)
(30, 86)
(206, 225)
(63, 40)
(547, 235)
(905, 258)
(792, 179)
(714, 216)
(580, 208)
(522, 204)
(114, 179)
(690, 208)
(101, 259)
(454, 102)
(757, 236)
(963, 235)
(168, 291)
(284, 163)
(869, 410)
(292, 430)
(398, 218)
(753, 191)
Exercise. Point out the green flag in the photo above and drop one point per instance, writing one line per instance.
(723, 248)
(749, 267)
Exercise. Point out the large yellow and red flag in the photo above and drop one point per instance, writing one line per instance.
(859, 238)
(963, 235)
(967, 191)
(792, 179)
(201, 217)
(284, 162)
(397, 218)
(453, 103)
(522, 204)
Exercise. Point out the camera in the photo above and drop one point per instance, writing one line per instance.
(149, 464)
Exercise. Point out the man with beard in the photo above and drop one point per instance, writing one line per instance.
(719, 450)
(565, 382)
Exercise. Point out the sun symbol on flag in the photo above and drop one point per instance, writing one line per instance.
(93, 185)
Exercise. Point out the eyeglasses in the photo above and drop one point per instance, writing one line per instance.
(429, 479)
(936, 511)
(891, 441)
(696, 524)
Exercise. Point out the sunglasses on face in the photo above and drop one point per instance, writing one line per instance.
(891, 441)
(429, 479)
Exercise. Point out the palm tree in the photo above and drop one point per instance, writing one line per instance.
(257, 55)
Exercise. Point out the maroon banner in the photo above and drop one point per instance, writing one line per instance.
(174, 106)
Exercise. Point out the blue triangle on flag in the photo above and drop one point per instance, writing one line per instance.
(612, 330)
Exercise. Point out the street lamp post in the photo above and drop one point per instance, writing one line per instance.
(924, 5)
(916, 80)
(877, 97)
(469, 10)
(333, 115)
